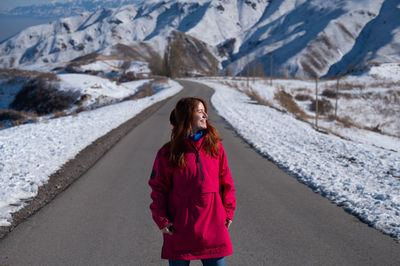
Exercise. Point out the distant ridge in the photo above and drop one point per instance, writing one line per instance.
(65, 9)
(304, 38)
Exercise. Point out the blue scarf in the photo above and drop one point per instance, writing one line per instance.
(197, 136)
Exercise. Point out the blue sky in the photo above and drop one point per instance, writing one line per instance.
(5, 4)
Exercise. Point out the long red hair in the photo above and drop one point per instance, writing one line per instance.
(182, 118)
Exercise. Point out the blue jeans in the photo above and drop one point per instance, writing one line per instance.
(206, 262)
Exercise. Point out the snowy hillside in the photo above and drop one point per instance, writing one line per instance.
(29, 96)
(306, 38)
(366, 111)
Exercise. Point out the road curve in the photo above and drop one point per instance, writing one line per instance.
(104, 219)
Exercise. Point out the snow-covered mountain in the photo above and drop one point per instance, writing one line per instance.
(304, 38)
(66, 8)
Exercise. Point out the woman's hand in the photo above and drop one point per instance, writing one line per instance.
(168, 229)
(228, 223)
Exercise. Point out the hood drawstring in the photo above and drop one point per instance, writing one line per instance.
(198, 158)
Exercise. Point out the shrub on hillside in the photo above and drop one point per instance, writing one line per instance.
(12, 115)
(303, 97)
(324, 106)
(329, 93)
(9, 117)
(40, 97)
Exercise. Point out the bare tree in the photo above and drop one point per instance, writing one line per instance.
(156, 65)
(229, 70)
(259, 69)
(270, 76)
(173, 58)
(247, 70)
(316, 102)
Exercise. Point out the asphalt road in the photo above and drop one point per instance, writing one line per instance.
(104, 219)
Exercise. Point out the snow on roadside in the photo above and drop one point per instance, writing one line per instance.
(371, 107)
(364, 179)
(108, 66)
(30, 153)
(101, 90)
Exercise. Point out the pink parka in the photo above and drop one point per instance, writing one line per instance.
(196, 199)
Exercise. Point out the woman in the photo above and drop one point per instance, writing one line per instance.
(192, 189)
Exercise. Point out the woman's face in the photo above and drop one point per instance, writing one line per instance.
(200, 118)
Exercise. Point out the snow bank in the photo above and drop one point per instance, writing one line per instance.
(364, 179)
(101, 90)
(30, 153)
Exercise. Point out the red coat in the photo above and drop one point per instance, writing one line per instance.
(197, 199)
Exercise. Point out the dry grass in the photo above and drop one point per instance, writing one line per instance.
(80, 109)
(234, 85)
(59, 114)
(286, 100)
(12, 115)
(249, 92)
(387, 85)
(255, 96)
(15, 73)
(347, 122)
(99, 99)
(346, 86)
(160, 81)
(83, 99)
(95, 86)
(384, 102)
(349, 96)
(351, 86)
(16, 117)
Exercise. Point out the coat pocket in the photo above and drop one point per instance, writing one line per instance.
(199, 224)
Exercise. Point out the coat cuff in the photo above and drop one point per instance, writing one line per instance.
(229, 215)
(162, 222)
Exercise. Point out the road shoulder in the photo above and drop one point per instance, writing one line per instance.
(76, 167)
